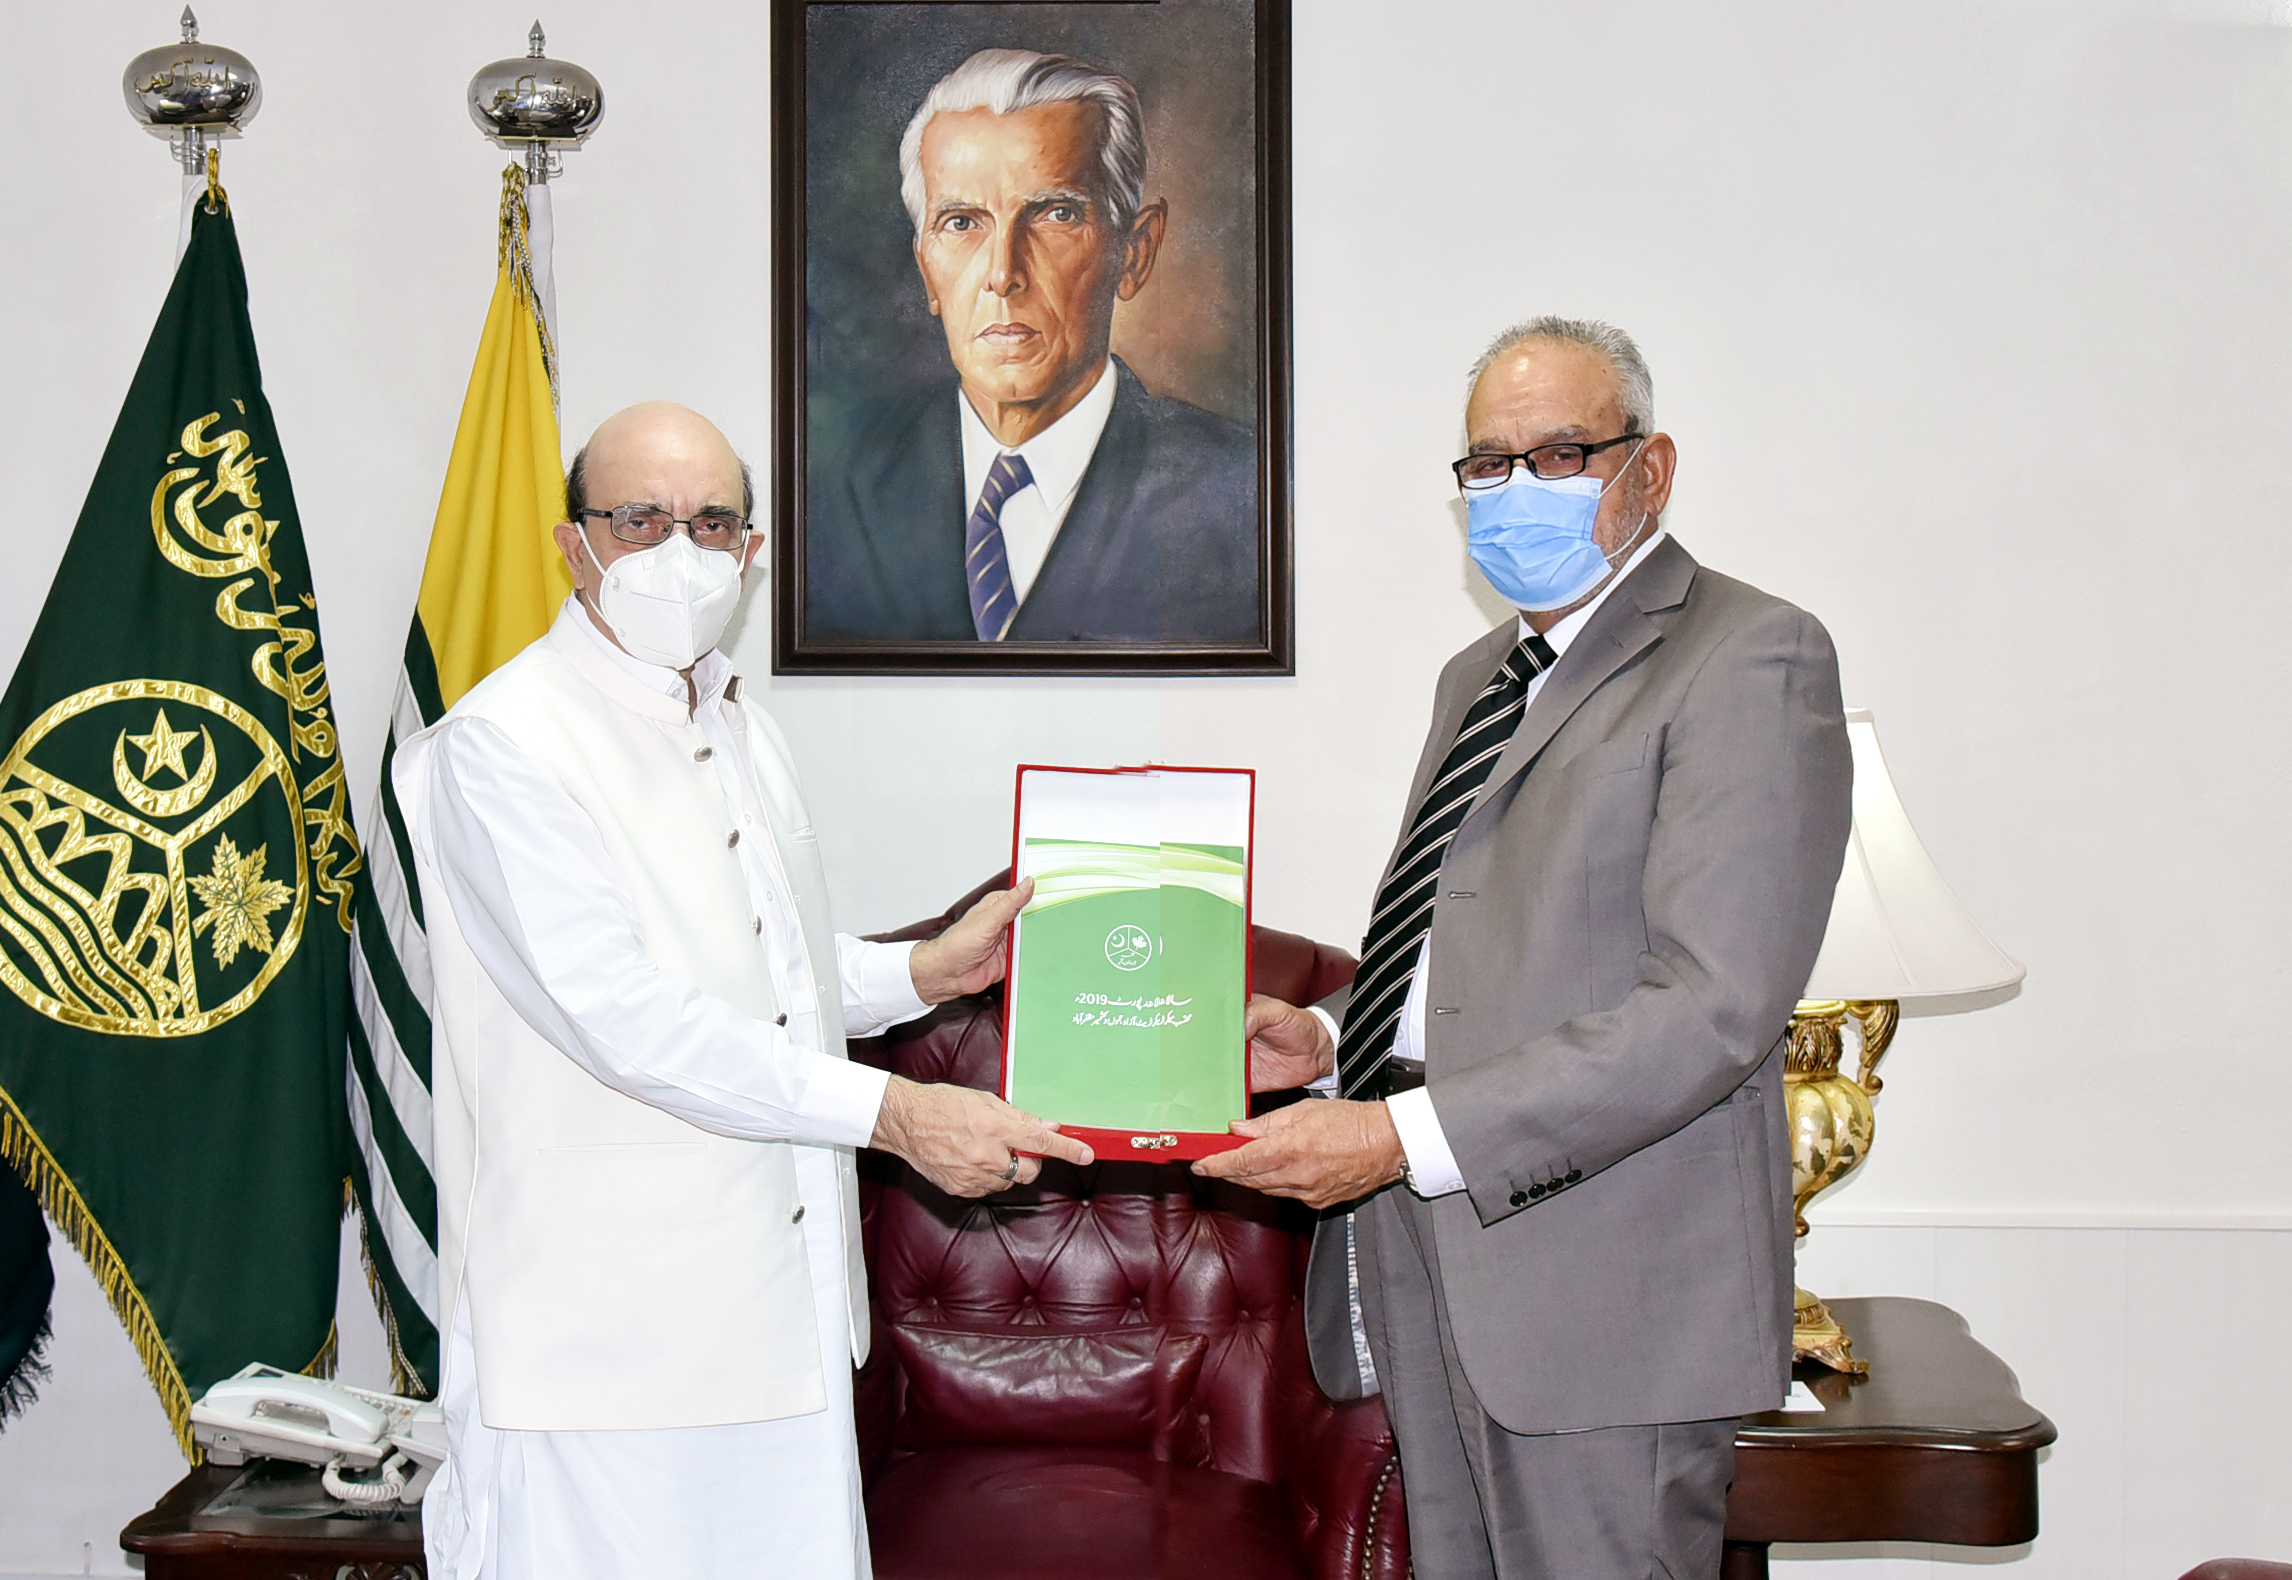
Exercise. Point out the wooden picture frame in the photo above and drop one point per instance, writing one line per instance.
(941, 306)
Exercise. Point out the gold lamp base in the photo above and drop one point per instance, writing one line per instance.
(1831, 1128)
(1816, 1336)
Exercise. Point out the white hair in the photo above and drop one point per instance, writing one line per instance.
(1007, 81)
(1634, 386)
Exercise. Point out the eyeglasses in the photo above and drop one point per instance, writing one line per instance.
(649, 524)
(1548, 461)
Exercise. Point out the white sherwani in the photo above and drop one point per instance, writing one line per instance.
(647, 1367)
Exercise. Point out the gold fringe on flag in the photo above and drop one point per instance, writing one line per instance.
(404, 1380)
(37, 1167)
(517, 261)
(45, 1178)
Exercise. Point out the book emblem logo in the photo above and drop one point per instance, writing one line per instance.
(1128, 947)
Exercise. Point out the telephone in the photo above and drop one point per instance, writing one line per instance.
(282, 1415)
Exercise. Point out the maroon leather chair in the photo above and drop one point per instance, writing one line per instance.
(2239, 1569)
(1103, 1376)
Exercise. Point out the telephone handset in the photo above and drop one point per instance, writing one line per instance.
(273, 1414)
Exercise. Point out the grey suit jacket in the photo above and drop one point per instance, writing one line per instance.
(1625, 920)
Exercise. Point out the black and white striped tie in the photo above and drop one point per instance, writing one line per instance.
(1405, 902)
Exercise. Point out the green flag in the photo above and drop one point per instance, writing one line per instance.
(177, 869)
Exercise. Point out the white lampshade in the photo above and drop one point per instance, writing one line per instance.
(1896, 931)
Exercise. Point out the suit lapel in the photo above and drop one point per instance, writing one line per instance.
(1450, 704)
(911, 509)
(1619, 632)
(1454, 700)
(1084, 578)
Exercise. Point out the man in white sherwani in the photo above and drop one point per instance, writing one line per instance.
(648, 1222)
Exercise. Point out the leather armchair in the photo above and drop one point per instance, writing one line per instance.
(1103, 1376)
(2239, 1569)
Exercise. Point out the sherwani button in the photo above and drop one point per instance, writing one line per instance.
(1519, 1198)
(704, 754)
(732, 839)
(1573, 1176)
(1536, 1192)
(780, 1019)
(798, 1215)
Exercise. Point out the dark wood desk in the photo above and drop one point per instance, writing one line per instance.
(1935, 1445)
(268, 1520)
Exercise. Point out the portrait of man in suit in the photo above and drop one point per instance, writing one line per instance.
(1034, 489)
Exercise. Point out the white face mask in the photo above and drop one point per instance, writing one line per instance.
(670, 603)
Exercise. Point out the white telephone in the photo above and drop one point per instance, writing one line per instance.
(281, 1415)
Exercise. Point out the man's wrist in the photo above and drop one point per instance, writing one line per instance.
(1396, 1154)
(923, 972)
(1329, 1027)
(891, 1115)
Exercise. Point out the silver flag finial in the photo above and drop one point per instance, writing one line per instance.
(536, 106)
(192, 93)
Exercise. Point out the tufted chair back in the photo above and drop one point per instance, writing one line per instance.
(1124, 1309)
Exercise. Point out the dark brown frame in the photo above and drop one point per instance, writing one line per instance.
(795, 654)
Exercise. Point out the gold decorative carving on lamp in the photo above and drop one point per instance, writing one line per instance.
(1897, 936)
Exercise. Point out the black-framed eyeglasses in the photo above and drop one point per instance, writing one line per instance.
(649, 524)
(1547, 461)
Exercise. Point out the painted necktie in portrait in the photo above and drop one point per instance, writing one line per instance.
(1043, 242)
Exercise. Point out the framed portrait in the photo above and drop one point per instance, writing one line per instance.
(1031, 339)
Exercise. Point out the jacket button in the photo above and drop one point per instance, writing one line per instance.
(704, 754)
(1536, 1192)
(1573, 1176)
(732, 839)
(756, 925)
(780, 1019)
(1519, 1198)
(798, 1215)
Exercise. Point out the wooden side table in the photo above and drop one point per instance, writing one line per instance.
(1935, 1445)
(268, 1520)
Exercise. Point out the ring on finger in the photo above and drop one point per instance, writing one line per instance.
(1011, 1174)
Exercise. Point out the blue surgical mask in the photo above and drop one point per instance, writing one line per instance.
(1532, 537)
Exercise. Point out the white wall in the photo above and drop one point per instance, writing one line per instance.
(1969, 319)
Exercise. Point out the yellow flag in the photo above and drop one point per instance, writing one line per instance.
(492, 585)
(494, 578)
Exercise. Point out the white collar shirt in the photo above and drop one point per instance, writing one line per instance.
(1056, 458)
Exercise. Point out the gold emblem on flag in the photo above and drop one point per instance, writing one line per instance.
(165, 903)
(107, 898)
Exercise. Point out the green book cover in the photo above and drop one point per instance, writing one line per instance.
(1131, 962)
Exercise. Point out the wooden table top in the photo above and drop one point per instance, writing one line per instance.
(1936, 1444)
(268, 1517)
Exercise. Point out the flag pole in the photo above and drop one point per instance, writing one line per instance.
(194, 95)
(541, 109)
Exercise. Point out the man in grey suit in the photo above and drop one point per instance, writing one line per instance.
(1557, 1106)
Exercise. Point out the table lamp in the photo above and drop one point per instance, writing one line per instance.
(1897, 936)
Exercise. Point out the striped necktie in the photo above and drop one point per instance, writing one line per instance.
(986, 569)
(1405, 902)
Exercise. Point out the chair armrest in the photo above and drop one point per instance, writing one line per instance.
(1345, 1492)
(2239, 1569)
